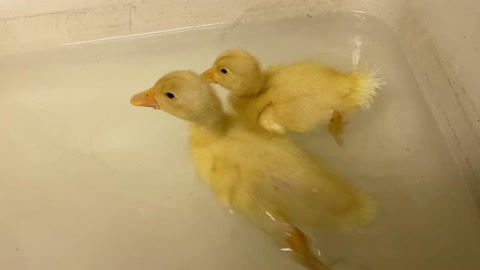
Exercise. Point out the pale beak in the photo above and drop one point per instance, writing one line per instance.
(145, 99)
(208, 76)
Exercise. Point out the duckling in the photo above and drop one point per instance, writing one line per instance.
(292, 98)
(262, 175)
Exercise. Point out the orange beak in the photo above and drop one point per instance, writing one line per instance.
(208, 76)
(145, 99)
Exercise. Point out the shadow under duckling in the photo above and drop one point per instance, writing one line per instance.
(262, 175)
(292, 98)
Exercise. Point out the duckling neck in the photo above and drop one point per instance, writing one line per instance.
(214, 124)
(253, 91)
(254, 88)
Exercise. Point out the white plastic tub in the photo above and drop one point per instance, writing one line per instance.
(89, 182)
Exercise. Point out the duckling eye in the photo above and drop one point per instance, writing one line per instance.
(224, 71)
(170, 95)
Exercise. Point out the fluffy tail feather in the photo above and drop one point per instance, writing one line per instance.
(367, 82)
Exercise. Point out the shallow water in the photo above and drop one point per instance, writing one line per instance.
(90, 182)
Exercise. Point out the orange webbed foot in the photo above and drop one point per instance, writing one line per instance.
(336, 127)
(299, 244)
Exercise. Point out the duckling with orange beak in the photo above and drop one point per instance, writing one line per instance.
(292, 98)
(263, 176)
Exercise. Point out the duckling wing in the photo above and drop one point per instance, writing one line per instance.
(323, 201)
(253, 173)
(289, 183)
(238, 188)
(304, 95)
(308, 194)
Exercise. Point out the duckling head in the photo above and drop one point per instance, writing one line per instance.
(183, 94)
(237, 71)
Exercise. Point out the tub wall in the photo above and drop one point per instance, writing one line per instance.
(455, 30)
(65, 23)
(441, 40)
(26, 8)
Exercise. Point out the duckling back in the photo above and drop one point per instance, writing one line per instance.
(302, 96)
(250, 170)
(323, 85)
(308, 193)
